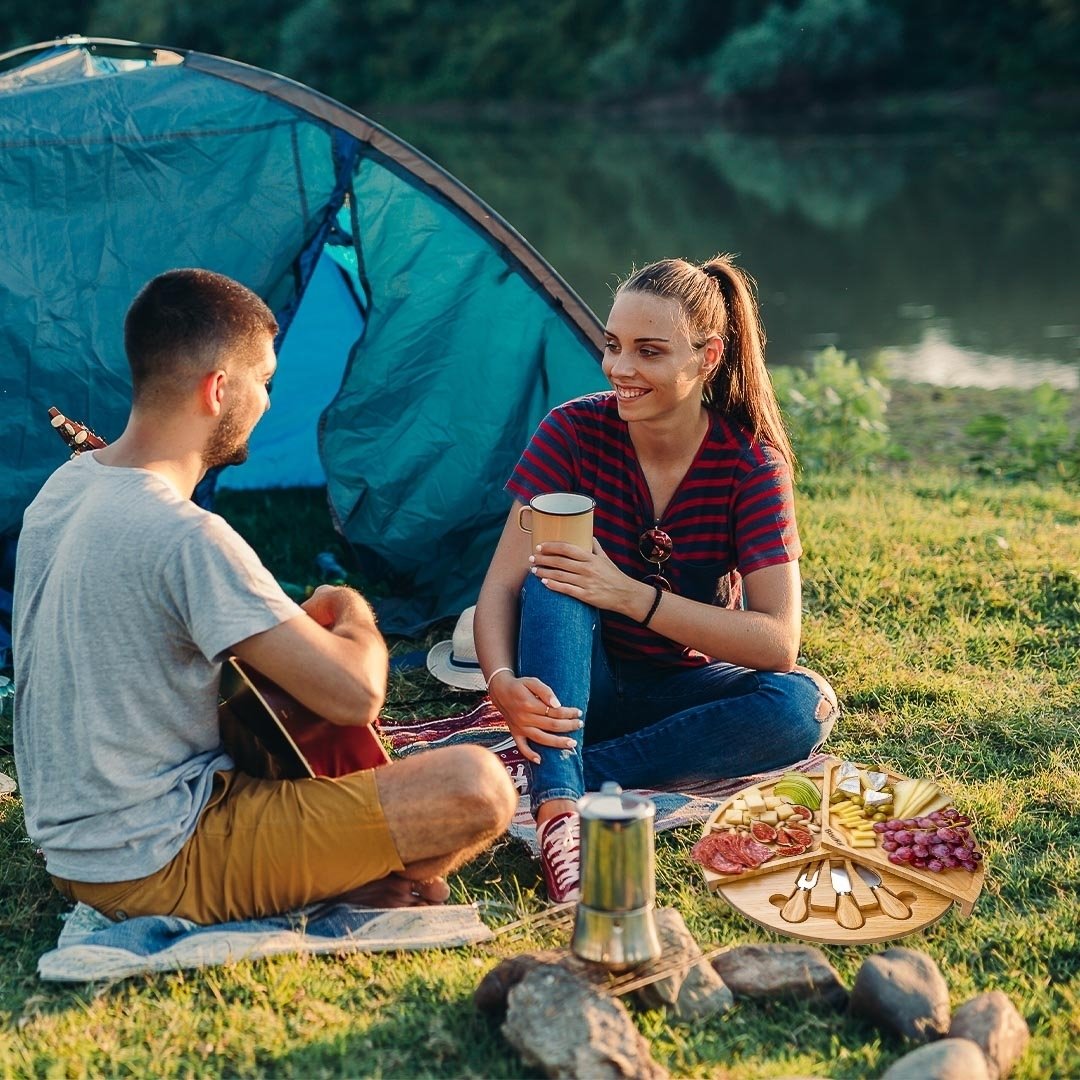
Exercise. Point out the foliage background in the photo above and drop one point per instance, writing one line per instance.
(730, 52)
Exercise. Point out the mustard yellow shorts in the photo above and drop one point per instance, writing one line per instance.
(261, 847)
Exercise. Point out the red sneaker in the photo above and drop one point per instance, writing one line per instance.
(560, 856)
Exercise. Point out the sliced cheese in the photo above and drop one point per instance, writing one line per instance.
(902, 793)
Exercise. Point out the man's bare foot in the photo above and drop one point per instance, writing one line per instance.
(395, 890)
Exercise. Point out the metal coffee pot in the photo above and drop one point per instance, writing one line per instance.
(614, 924)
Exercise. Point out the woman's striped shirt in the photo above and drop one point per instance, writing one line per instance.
(732, 513)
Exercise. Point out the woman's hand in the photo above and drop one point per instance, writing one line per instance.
(533, 714)
(590, 576)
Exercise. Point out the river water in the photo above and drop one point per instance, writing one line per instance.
(951, 256)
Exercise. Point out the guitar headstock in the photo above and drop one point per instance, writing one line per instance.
(77, 436)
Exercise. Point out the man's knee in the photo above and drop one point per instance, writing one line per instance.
(491, 788)
(478, 783)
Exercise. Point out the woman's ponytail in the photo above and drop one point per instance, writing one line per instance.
(741, 385)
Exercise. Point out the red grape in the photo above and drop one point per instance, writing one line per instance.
(938, 841)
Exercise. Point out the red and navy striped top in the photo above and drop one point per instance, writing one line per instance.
(733, 510)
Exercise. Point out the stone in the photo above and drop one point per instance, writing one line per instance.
(491, 993)
(946, 1059)
(901, 990)
(992, 1022)
(781, 971)
(561, 1024)
(695, 992)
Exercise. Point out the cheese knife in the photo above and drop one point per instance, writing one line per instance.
(864, 895)
(848, 914)
(889, 902)
(797, 907)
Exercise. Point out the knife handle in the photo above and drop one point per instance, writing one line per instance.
(891, 904)
(848, 914)
(797, 907)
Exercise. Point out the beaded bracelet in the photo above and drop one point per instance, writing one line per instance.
(655, 605)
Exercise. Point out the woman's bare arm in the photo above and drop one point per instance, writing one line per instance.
(530, 708)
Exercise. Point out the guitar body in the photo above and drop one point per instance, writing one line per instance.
(271, 735)
(266, 732)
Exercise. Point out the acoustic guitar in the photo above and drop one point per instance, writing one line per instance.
(267, 732)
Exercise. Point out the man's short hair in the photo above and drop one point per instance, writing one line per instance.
(186, 323)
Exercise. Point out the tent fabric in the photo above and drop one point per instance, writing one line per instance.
(422, 338)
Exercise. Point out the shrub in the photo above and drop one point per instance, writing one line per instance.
(835, 413)
(1034, 446)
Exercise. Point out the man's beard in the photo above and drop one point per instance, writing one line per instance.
(226, 446)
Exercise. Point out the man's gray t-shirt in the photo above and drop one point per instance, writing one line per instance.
(127, 598)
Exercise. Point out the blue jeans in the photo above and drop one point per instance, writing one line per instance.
(653, 727)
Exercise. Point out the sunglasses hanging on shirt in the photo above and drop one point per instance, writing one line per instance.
(655, 547)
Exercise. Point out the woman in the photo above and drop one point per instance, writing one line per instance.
(666, 654)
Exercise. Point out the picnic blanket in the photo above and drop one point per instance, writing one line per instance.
(485, 726)
(92, 948)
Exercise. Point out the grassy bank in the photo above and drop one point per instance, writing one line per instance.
(946, 610)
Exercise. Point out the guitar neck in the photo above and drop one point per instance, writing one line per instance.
(77, 436)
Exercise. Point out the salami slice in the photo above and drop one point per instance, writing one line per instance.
(711, 852)
(757, 853)
(749, 853)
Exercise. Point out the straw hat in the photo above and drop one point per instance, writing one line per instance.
(454, 662)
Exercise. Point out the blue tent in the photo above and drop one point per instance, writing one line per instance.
(422, 337)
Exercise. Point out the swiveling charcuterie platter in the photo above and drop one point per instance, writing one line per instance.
(852, 854)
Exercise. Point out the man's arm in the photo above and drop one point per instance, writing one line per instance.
(331, 659)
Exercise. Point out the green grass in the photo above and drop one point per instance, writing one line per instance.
(945, 609)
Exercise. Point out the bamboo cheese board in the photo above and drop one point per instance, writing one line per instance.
(843, 889)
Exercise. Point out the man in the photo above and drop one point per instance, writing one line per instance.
(127, 599)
